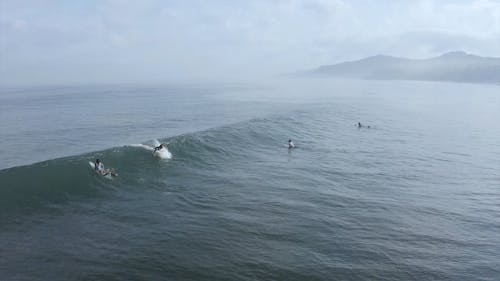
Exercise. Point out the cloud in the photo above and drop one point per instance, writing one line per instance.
(158, 40)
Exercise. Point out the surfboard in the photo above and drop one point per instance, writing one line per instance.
(108, 175)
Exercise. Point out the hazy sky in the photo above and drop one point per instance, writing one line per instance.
(87, 41)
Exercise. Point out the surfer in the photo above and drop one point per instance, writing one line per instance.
(291, 144)
(160, 147)
(161, 151)
(99, 168)
(362, 126)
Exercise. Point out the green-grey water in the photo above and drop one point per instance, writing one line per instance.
(414, 197)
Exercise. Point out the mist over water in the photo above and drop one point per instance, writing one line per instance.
(413, 197)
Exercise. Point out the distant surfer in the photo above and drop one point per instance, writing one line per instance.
(291, 144)
(99, 168)
(362, 126)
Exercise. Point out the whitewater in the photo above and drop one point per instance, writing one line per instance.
(414, 197)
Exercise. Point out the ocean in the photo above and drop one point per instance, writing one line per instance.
(416, 196)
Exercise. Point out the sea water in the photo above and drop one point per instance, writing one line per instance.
(414, 197)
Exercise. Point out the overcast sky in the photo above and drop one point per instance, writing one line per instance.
(109, 41)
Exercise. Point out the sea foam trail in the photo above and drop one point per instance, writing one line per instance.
(164, 153)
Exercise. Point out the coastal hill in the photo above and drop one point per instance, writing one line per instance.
(453, 66)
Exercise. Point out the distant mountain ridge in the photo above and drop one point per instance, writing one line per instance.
(452, 66)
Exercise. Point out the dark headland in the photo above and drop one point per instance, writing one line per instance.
(453, 66)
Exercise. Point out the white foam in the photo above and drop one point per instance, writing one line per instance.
(161, 154)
